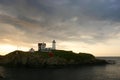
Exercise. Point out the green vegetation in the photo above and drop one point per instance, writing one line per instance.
(46, 59)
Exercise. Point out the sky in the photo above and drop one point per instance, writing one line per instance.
(91, 26)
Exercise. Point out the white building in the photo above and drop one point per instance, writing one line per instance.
(42, 47)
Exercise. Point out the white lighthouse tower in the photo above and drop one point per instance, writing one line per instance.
(53, 44)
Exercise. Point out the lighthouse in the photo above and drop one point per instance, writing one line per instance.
(53, 44)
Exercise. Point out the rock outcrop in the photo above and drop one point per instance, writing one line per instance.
(46, 59)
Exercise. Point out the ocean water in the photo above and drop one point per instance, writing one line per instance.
(103, 72)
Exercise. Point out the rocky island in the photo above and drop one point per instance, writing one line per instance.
(55, 58)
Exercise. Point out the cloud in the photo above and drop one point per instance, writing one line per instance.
(88, 21)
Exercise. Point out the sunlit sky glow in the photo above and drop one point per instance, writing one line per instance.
(91, 26)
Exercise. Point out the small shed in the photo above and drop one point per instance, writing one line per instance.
(31, 50)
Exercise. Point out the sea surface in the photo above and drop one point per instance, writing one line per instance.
(103, 72)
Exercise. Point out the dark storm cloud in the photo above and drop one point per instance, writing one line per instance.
(87, 21)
